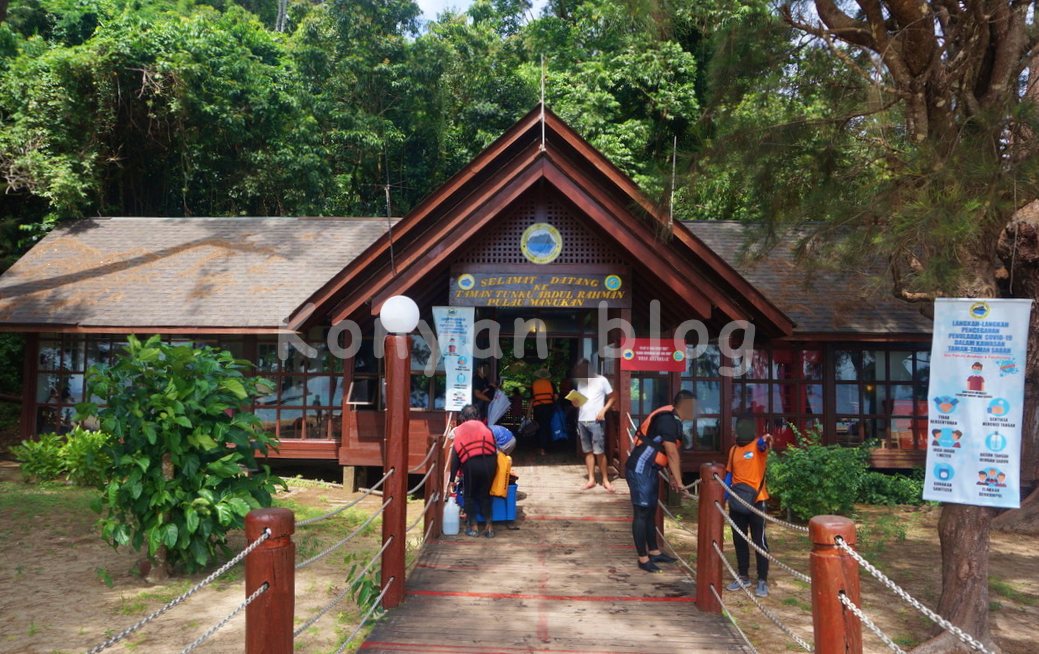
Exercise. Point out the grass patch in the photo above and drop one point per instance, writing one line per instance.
(23, 501)
(1006, 590)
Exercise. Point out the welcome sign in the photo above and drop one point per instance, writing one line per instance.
(540, 288)
(975, 395)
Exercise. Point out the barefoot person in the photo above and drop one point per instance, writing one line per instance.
(594, 398)
(656, 449)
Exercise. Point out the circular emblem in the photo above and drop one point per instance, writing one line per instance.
(466, 282)
(678, 355)
(628, 355)
(999, 407)
(979, 310)
(541, 243)
(612, 283)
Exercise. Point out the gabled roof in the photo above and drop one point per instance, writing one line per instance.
(843, 301)
(527, 154)
(243, 273)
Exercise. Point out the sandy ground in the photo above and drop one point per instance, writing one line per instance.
(903, 543)
(54, 599)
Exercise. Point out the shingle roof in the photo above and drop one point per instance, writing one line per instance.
(179, 272)
(845, 301)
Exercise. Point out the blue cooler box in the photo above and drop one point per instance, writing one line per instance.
(502, 508)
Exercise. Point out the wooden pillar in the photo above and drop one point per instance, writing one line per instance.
(29, 372)
(623, 405)
(395, 490)
(837, 630)
(709, 531)
(268, 620)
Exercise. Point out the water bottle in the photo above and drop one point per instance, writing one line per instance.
(451, 514)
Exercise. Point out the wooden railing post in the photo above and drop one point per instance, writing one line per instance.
(268, 620)
(395, 491)
(434, 487)
(837, 630)
(709, 531)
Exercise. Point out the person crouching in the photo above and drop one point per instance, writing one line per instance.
(474, 452)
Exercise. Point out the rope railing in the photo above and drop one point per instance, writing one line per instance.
(195, 644)
(429, 455)
(865, 619)
(431, 503)
(182, 597)
(732, 619)
(678, 521)
(801, 642)
(758, 512)
(966, 638)
(417, 487)
(689, 569)
(336, 545)
(348, 505)
(797, 574)
(366, 618)
(342, 595)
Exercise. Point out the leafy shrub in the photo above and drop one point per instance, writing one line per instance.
(812, 479)
(893, 489)
(182, 440)
(41, 458)
(85, 457)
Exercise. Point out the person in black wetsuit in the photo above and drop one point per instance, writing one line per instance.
(475, 452)
(662, 436)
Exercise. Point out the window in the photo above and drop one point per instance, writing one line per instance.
(702, 376)
(782, 390)
(882, 395)
(304, 399)
(427, 392)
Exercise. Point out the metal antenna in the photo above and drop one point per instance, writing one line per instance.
(389, 213)
(542, 102)
(671, 201)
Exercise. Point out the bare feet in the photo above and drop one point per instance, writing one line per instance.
(590, 485)
(608, 486)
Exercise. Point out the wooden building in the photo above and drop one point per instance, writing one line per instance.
(828, 351)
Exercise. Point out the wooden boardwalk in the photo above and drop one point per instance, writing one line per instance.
(565, 582)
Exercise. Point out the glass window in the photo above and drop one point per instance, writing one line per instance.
(704, 434)
(901, 369)
(848, 398)
(50, 355)
(707, 364)
(749, 398)
(419, 392)
(846, 365)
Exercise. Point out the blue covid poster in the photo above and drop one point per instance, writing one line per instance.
(975, 395)
(454, 327)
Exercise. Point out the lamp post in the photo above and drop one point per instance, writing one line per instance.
(399, 315)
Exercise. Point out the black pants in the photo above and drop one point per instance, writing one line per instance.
(756, 525)
(543, 416)
(644, 529)
(479, 473)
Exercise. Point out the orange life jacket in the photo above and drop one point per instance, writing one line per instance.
(542, 391)
(660, 458)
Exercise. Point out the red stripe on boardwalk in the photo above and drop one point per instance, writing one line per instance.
(552, 598)
(578, 518)
(469, 649)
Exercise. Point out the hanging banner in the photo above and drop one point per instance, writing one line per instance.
(647, 354)
(976, 393)
(454, 327)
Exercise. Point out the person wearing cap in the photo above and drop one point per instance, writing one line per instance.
(543, 403)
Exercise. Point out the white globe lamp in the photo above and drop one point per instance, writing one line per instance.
(399, 315)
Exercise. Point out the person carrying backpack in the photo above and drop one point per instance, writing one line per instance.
(745, 474)
(656, 449)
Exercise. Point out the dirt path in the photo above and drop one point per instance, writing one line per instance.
(55, 599)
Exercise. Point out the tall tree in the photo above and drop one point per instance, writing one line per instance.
(917, 146)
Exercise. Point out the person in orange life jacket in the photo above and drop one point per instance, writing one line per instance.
(543, 398)
(662, 436)
(746, 465)
(475, 452)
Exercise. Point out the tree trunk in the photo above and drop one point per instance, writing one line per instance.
(160, 569)
(964, 534)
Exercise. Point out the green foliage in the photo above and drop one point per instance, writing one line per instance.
(812, 479)
(182, 442)
(85, 457)
(41, 459)
(892, 489)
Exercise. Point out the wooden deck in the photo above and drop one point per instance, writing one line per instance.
(564, 582)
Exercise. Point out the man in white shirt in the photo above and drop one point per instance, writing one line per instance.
(591, 420)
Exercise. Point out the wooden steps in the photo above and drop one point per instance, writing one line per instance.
(564, 582)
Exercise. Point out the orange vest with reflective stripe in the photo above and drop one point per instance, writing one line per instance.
(542, 391)
(641, 433)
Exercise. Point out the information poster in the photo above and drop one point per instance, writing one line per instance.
(647, 354)
(975, 394)
(454, 327)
